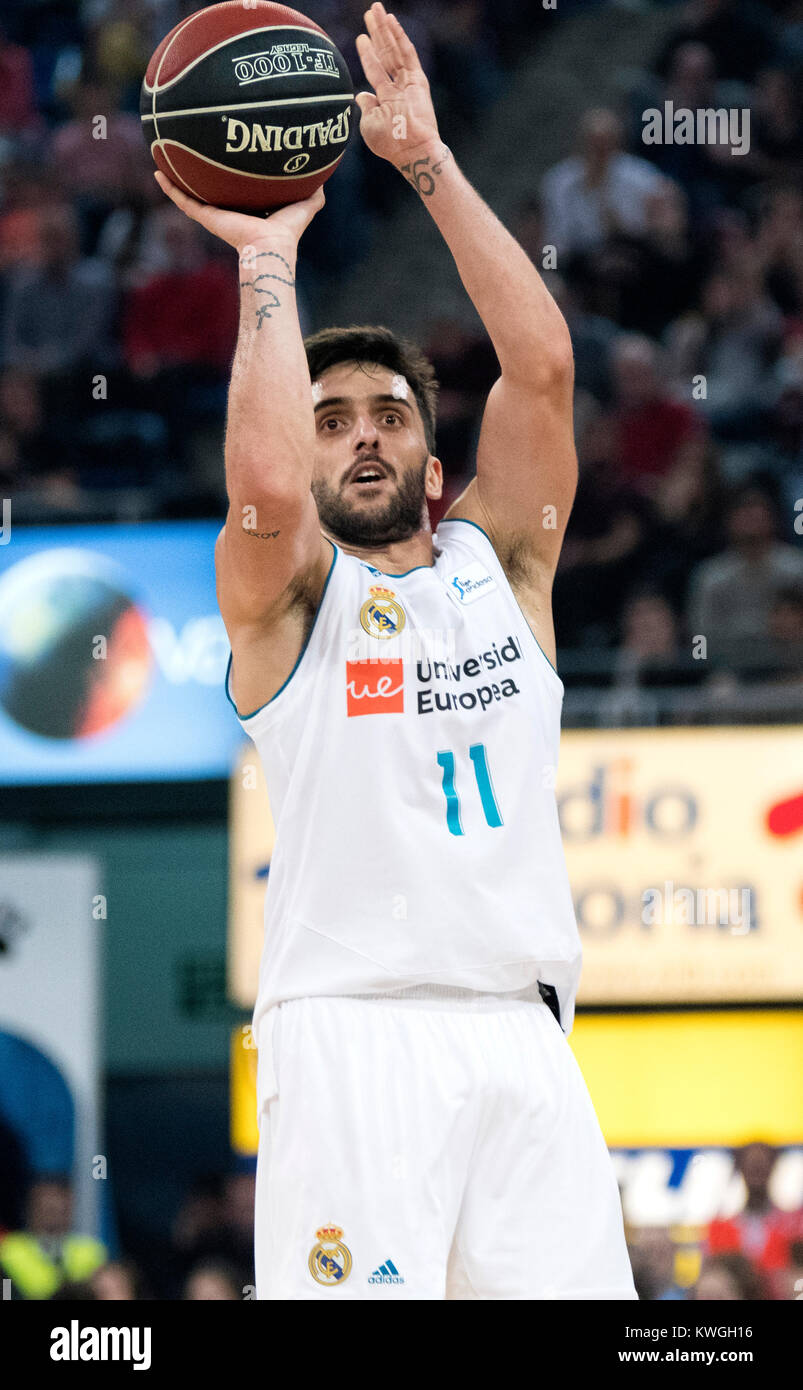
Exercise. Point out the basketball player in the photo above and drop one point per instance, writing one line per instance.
(425, 1131)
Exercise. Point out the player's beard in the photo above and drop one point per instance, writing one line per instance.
(399, 519)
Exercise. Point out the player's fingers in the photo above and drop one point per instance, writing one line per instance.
(178, 196)
(373, 69)
(298, 215)
(408, 56)
(366, 101)
(383, 38)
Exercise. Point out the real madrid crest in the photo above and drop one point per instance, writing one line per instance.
(381, 615)
(330, 1259)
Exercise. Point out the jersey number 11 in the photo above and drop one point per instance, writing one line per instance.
(478, 756)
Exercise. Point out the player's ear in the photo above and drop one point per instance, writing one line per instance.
(434, 477)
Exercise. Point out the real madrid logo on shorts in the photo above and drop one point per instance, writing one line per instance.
(330, 1259)
(381, 615)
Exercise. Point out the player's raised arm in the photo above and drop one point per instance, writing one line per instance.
(526, 460)
(271, 541)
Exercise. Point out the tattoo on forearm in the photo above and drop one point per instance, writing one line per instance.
(264, 310)
(423, 177)
(262, 535)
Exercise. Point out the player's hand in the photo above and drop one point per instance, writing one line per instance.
(397, 119)
(241, 229)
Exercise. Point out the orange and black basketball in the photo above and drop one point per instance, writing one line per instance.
(247, 106)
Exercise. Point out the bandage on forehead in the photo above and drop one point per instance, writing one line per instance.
(399, 389)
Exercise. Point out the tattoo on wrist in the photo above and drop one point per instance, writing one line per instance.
(422, 173)
(262, 535)
(273, 302)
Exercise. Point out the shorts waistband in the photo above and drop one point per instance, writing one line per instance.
(453, 997)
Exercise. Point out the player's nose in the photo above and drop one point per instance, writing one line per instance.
(365, 431)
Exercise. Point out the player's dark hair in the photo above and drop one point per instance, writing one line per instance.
(376, 344)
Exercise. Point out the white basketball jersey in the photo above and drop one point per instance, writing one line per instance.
(410, 760)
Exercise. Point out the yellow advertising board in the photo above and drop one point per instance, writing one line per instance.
(693, 1078)
(685, 856)
(243, 1128)
(251, 839)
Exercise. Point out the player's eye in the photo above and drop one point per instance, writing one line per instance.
(330, 420)
(392, 415)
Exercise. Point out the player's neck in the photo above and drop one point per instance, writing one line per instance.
(398, 556)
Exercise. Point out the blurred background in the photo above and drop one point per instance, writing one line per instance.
(131, 872)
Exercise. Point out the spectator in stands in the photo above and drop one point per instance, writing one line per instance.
(215, 1280)
(649, 631)
(196, 1229)
(179, 331)
(608, 544)
(58, 314)
(18, 114)
(216, 1223)
(786, 617)
(239, 1194)
(788, 1283)
(27, 447)
(650, 427)
(652, 1256)
(592, 334)
(120, 1280)
(731, 595)
(466, 63)
(741, 36)
(762, 1231)
(97, 156)
(35, 445)
(121, 45)
(779, 455)
(689, 505)
(186, 315)
(779, 246)
(732, 341)
(776, 127)
(25, 193)
(641, 282)
(47, 1252)
(598, 191)
(134, 239)
(709, 173)
(725, 1278)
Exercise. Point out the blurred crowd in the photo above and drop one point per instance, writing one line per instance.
(679, 268)
(208, 1253)
(754, 1254)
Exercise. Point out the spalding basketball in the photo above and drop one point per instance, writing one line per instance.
(247, 106)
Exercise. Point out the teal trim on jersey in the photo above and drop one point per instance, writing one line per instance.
(466, 522)
(446, 521)
(298, 658)
(386, 574)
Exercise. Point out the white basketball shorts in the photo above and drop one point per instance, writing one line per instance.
(430, 1149)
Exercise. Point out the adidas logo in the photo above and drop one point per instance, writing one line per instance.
(386, 1274)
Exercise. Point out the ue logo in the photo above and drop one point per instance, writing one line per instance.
(375, 687)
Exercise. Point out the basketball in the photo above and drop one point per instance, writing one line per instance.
(247, 107)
